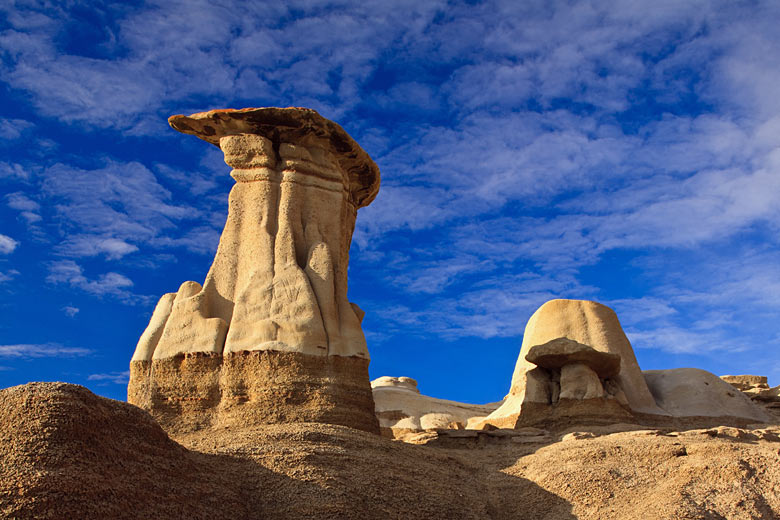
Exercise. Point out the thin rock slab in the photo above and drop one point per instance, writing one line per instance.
(564, 351)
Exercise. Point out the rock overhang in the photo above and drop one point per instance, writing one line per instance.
(557, 353)
(289, 125)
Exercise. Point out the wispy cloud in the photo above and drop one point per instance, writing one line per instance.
(12, 129)
(41, 351)
(13, 171)
(28, 209)
(70, 311)
(8, 275)
(619, 151)
(117, 378)
(7, 244)
(107, 284)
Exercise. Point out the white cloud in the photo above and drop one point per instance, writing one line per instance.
(13, 171)
(41, 350)
(21, 202)
(28, 209)
(520, 142)
(81, 246)
(7, 244)
(117, 378)
(70, 311)
(8, 275)
(12, 129)
(107, 284)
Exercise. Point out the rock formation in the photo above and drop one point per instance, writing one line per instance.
(401, 409)
(66, 453)
(692, 392)
(576, 357)
(270, 336)
(576, 369)
(758, 390)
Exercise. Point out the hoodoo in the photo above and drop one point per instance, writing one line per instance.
(270, 336)
(576, 357)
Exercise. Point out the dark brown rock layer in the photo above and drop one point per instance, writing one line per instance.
(187, 393)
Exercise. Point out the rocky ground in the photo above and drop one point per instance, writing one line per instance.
(66, 453)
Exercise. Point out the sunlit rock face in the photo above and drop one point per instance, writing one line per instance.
(575, 360)
(401, 409)
(277, 289)
(692, 392)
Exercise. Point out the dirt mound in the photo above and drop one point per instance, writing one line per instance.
(66, 453)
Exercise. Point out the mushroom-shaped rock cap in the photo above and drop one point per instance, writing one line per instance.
(288, 125)
(564, 351)
(401, 383)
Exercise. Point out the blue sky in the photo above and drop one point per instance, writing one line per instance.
(626, 152)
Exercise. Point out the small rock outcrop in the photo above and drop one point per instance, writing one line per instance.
(692, 392)
(68, 453)
(578, 369)
(747, 383)
(758, 390)
(574, 360)
(401, 409)
(270, 335)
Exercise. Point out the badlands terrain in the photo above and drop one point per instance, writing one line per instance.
(249, 394)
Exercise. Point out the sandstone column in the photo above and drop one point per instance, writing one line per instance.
(270, 336)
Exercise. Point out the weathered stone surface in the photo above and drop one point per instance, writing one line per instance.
(690, 392)
(279, 278)
(401, 409)
(563, 351)
(568, 330)
(579, 381)
(758, 390)
(189, 393)
(597, 326)
(746, 382)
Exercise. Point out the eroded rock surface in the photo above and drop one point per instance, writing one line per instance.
(401, 409)
(690, 392)
(278, 283)
(557, 353)
(66, 453)
(588, 368)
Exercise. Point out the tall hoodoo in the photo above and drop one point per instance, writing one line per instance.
(272, 320)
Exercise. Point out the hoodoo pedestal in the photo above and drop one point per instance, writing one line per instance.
(270, 336)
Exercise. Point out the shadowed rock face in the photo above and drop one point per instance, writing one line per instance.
(278, 282)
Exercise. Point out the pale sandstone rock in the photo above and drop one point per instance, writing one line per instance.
(579, 381)
(578, 322)
(278, 282)
(743, 382)
(151, 336)
(279, 278)
(563, 351)
(758, 390)
(401, 408)
(597, 326)
(690, 392)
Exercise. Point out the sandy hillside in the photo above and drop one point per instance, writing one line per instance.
(66, 453)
